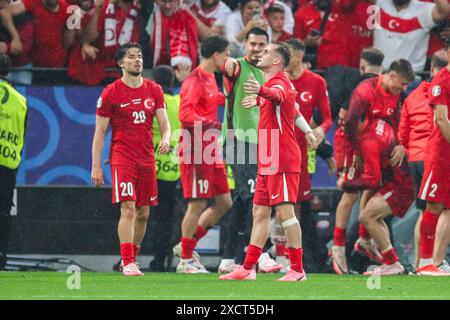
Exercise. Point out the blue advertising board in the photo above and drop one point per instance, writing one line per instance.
(58, 141)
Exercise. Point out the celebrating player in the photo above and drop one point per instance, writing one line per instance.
(278, 173)
(370, 66)
(376, 98)
(129, 104)
(205, 179)
(391, 186)
(435, 187)
(242, 124)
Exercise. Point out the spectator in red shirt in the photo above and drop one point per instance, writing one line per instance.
(113, 24)
(276, 18)
(82, 65)
(324, 27)
(173, 36)
(49, 21)
(16, 39)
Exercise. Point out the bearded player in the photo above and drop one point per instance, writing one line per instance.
(129, 105)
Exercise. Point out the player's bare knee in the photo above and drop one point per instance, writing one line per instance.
(128, 210)
(142, 213)
(197, 205)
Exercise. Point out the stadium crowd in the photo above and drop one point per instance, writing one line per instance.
(370, 54)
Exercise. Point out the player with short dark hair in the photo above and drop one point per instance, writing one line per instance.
(205, 178)
(435, 187)
(278, 173)
(376, 98)
(129, 105)
(370, 65)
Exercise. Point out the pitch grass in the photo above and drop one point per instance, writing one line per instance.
(172, 286)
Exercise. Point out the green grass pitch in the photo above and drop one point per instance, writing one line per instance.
(172, 286)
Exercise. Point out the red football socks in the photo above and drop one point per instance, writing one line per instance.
(389, 256)
(200, 233)
(127, 252)
(427, 234)
(363, 233)
(280, 248)
(296, 257)
(187, 247)
(136, 249)
(252, 256)
(340, 236)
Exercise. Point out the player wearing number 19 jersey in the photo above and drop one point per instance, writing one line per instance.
(435, 187)
(129, 105)
(203, 174)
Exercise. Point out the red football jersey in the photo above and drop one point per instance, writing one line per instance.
(438, 149)
(277, 116)
(334, 47)
(131, 111)
(311, 93)
(48, 49)
(370, 101)
(377, 144)
(200, 99)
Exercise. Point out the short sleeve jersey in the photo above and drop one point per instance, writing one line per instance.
(131, 111)
(311, 93)
(438, 149)
(278, 151)
(48, 49)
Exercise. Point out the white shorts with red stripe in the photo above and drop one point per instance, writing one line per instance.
(276, 189)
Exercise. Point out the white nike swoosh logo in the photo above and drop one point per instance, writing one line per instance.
(274, 197)
(123, 105)
(306, 193)
(153, 198)
(309, 22)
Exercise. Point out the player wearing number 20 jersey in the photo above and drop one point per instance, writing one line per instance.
(132, 155)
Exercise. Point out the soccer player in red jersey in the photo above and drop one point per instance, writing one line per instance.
(129, 105)
(311, 94)
(435, 187)
(370, 65)
(391, 186)
(278, 173)
(415, 128)
(376, 98)
(203, 173)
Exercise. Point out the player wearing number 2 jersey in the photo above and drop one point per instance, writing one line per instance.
(129, 105)
(435, 187)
